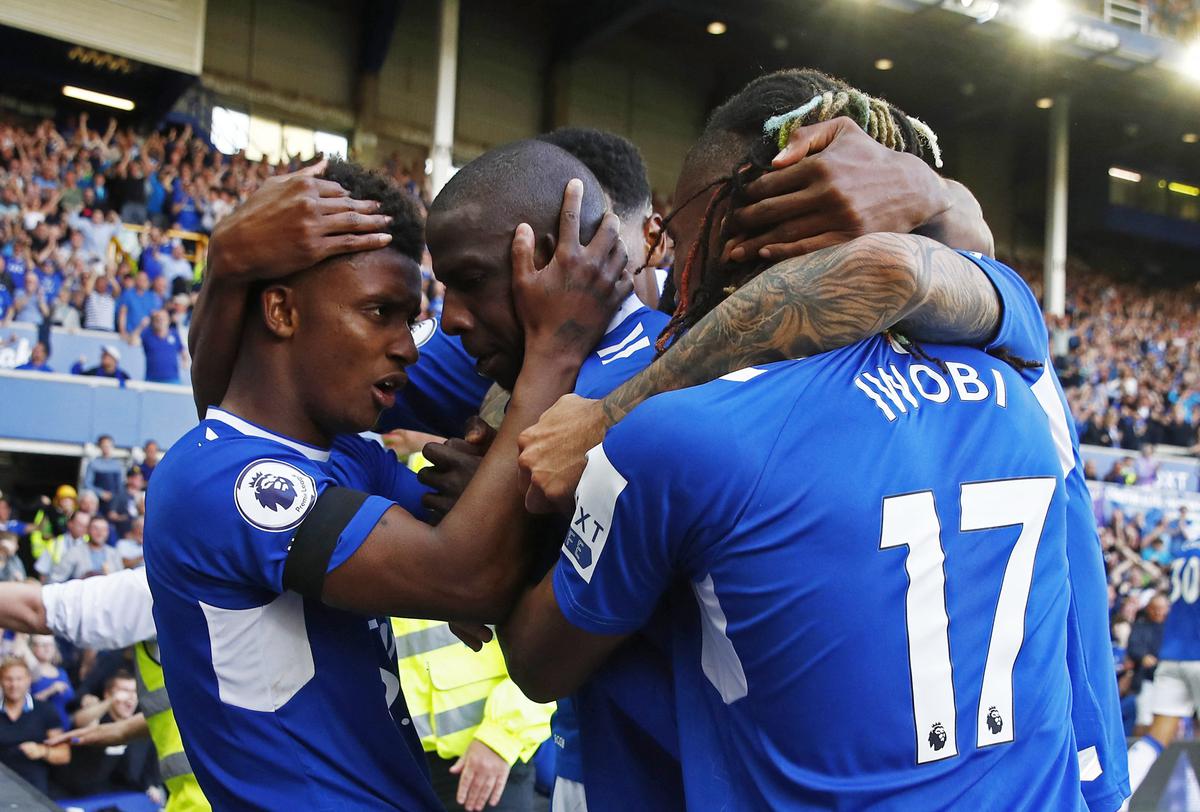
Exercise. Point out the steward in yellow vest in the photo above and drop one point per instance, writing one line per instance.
(184, 792)
(458, 698)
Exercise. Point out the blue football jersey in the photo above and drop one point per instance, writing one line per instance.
(865, 562)
(610, 734)
(1096, 706)
(1181, 631)
(283, 702)
(443, 387)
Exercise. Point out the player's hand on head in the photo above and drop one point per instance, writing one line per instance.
(830, 184)
(293, 222)
(483, 777)
(553, 453)
(565, 306)
(452, 464)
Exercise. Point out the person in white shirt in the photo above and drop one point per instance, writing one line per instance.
(107, 612)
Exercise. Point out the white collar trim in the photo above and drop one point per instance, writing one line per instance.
(238, 424)
(627, 308)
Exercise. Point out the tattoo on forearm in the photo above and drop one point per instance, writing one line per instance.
(821, 301)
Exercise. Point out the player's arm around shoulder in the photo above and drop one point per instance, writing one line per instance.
(619, 553)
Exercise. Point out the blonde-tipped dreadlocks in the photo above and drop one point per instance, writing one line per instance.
(760, 119)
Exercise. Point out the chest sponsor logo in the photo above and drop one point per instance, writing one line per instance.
(274, 495)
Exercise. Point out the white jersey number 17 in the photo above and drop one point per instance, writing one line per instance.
(911, 521)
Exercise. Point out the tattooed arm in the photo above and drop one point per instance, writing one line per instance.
(823, 301)
(800, 307)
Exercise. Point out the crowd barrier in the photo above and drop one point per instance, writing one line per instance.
(15, 793)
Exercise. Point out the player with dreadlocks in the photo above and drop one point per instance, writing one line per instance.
(888, 276)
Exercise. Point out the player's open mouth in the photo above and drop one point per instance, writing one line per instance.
(384, 390)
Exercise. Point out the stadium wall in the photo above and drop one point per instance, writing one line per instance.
(296, 59)
(73, 409)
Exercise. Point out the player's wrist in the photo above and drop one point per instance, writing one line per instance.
(226, 264)
(932, 201)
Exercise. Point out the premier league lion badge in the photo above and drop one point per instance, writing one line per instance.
(274, 495)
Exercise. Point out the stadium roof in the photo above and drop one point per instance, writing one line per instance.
(956, 63)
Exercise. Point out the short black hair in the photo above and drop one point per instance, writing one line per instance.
(524, 182)
(408, 223)
(615, 162)
(119, 675)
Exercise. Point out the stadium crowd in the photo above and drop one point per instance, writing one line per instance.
(1175, 18)
(103, 230)
(1128, 356)
(76, 533)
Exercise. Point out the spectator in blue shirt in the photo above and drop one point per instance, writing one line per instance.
(37, 359)
(157, 198)
(135, 306)
(17, 266)
(50, 682)
(105, 474)
(6, 304)
(187, 213)
(30, 305)
(164, 349)
(110, 357)
(49, 278)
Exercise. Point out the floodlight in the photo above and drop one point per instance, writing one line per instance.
(1044, 18)
(1190, 64)
(1124, 174)
(716, 28)
(94, 97)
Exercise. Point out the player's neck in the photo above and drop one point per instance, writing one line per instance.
(263, 396)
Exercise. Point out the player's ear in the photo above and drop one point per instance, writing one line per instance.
(651, 230)
(279, 310)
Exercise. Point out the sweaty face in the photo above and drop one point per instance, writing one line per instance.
(352, 340)
(472, 256)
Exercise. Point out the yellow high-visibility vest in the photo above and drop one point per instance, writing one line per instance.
(456, 695)
(185, 793)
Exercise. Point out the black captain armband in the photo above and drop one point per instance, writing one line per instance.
(316, 538)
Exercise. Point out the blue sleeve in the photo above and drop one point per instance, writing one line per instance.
(443, 387)
(633, 529)
(1022, 328)
(367, 466)
(271, 496)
